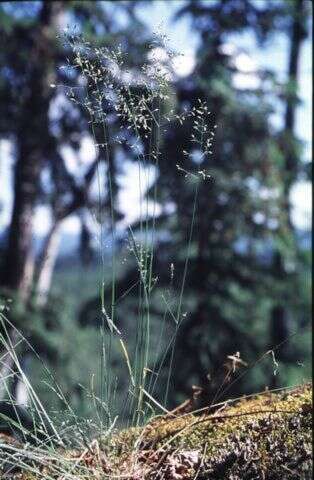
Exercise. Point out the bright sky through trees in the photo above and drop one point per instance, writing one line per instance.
(248, 60)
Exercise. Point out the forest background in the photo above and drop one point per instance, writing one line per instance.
(248, 283)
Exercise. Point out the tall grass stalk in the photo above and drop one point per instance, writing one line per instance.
(141, 110)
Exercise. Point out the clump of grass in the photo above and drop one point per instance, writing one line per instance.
(262, 436)
(139, 103)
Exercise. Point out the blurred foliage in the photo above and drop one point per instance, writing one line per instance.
(246, 271)
(245, 256)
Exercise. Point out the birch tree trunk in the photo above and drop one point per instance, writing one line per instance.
(46, 264)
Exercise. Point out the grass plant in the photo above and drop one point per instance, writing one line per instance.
(140, 104)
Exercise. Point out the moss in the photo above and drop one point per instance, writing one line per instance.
(266, 437)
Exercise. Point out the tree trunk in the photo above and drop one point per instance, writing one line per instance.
(297, 34)
(279, 315)
(46, 264)
(31, 142)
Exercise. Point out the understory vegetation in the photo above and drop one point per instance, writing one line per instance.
(192, 298)
(268, 436)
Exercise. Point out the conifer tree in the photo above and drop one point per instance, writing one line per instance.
(232, 283)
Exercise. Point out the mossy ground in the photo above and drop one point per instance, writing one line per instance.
(267, 437)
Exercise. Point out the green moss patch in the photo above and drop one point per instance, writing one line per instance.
(267, 437)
